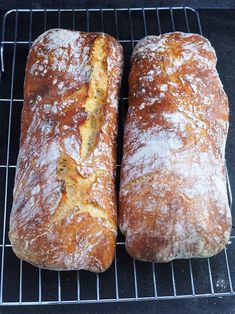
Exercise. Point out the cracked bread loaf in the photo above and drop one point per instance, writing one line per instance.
(64, 208)
(173, 196)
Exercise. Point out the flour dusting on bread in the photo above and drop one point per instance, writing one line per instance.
(64, 207)
(173, 198)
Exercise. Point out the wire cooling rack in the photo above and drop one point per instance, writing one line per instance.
(127, 279)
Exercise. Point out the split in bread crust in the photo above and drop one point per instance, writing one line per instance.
(64, 207)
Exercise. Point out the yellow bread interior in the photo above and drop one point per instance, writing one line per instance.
(76, 188)
(75, 192)
(97, 94)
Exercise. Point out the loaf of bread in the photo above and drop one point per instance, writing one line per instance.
(173, 195)
(64, 205)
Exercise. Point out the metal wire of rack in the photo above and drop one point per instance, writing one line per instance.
(127, 279)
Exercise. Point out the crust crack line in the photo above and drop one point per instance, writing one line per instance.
(75, 189)
(97, 95)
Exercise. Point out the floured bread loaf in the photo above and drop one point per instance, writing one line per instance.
(173, 194)
(64, 208)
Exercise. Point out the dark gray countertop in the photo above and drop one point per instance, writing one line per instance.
(202, 306)
(219, 27)
(6, 4)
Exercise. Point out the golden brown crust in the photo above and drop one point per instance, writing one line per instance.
(64, 208)
(173, 197)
